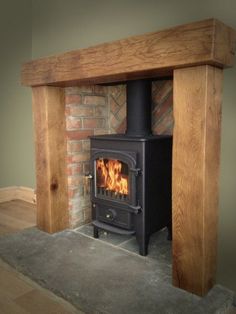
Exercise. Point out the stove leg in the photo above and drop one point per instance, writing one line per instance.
(95, 232)
(143, 244)
(169, 227)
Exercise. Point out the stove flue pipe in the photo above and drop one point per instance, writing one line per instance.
(139, 103)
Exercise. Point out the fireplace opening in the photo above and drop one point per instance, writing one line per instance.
(131, 174)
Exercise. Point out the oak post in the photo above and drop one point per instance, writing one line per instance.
(50, 150)
(196, 154)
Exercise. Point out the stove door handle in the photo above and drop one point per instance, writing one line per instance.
(87, 182)
(136, 209)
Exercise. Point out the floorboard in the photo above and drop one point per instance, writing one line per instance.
(16, 215)
(19, 294)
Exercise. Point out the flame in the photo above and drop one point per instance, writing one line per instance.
(110, 176)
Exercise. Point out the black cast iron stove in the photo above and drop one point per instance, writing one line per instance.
(131, 174)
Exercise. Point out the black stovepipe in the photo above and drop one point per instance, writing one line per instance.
(139, 103)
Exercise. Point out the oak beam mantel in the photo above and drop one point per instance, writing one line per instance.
(153, 54)
(195, 54)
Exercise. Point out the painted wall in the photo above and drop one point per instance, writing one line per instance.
(16, 140)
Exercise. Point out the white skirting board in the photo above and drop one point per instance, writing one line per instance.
(17, 193)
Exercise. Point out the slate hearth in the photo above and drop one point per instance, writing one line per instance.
(106, 275)
(160, 247)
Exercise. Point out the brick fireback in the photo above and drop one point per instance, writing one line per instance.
(93, 110)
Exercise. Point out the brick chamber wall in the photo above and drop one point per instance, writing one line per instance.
(94, 110)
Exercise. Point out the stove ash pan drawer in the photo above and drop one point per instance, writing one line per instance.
(113, 215)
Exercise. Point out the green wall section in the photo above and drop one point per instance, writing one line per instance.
(16, 140)
(227, 221)
(58, 26)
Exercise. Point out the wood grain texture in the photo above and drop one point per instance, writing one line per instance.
(16, 215)
(149, 55)
(50, 149)
(196, 151)
(20, 295)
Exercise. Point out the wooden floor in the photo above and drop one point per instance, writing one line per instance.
(16, 215)
(19, 294)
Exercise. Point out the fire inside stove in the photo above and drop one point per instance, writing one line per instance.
(112, 180)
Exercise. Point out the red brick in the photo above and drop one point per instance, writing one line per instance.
(73, 99)
(121, 99)
(86, 145)
(79, 135)
(160, 109)
(70, 208)
(101, 131)
(98, 89)
(73, 123)
(74, 90)
(156, 86)
(87, 214)
(165, 125)
(122, 127)
(79, 89)
(86, 88)
(68, 172)
(77, 219)
(101, 111)
(74, 180)
(163, 92)
(67, 111)
(93, 123)
(74, 146)
(114, 107)
(114, 90)
(86, 167)
(75, 169)
(94, 100)
(80, 111)
(121, 113)
(77, 158)
(71, 192)
(112, 131)
(114, 122)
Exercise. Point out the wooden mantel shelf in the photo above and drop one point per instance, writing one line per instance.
(153, 54)
(195, 54)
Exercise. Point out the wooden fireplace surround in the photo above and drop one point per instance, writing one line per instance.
(195, 55)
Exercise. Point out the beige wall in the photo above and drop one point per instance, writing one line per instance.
(59, 26)
(16, 148)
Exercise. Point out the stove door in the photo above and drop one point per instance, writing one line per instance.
(114, 174)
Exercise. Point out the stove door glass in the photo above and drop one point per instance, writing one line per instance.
(112, 179)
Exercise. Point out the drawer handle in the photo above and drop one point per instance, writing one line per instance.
(110, 214)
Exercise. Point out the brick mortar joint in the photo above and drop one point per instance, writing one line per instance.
(84, 94)
(70, 153)
(77, 91)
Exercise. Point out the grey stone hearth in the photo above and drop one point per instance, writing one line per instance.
(106, 275)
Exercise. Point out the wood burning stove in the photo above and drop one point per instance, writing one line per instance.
(131, 174)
